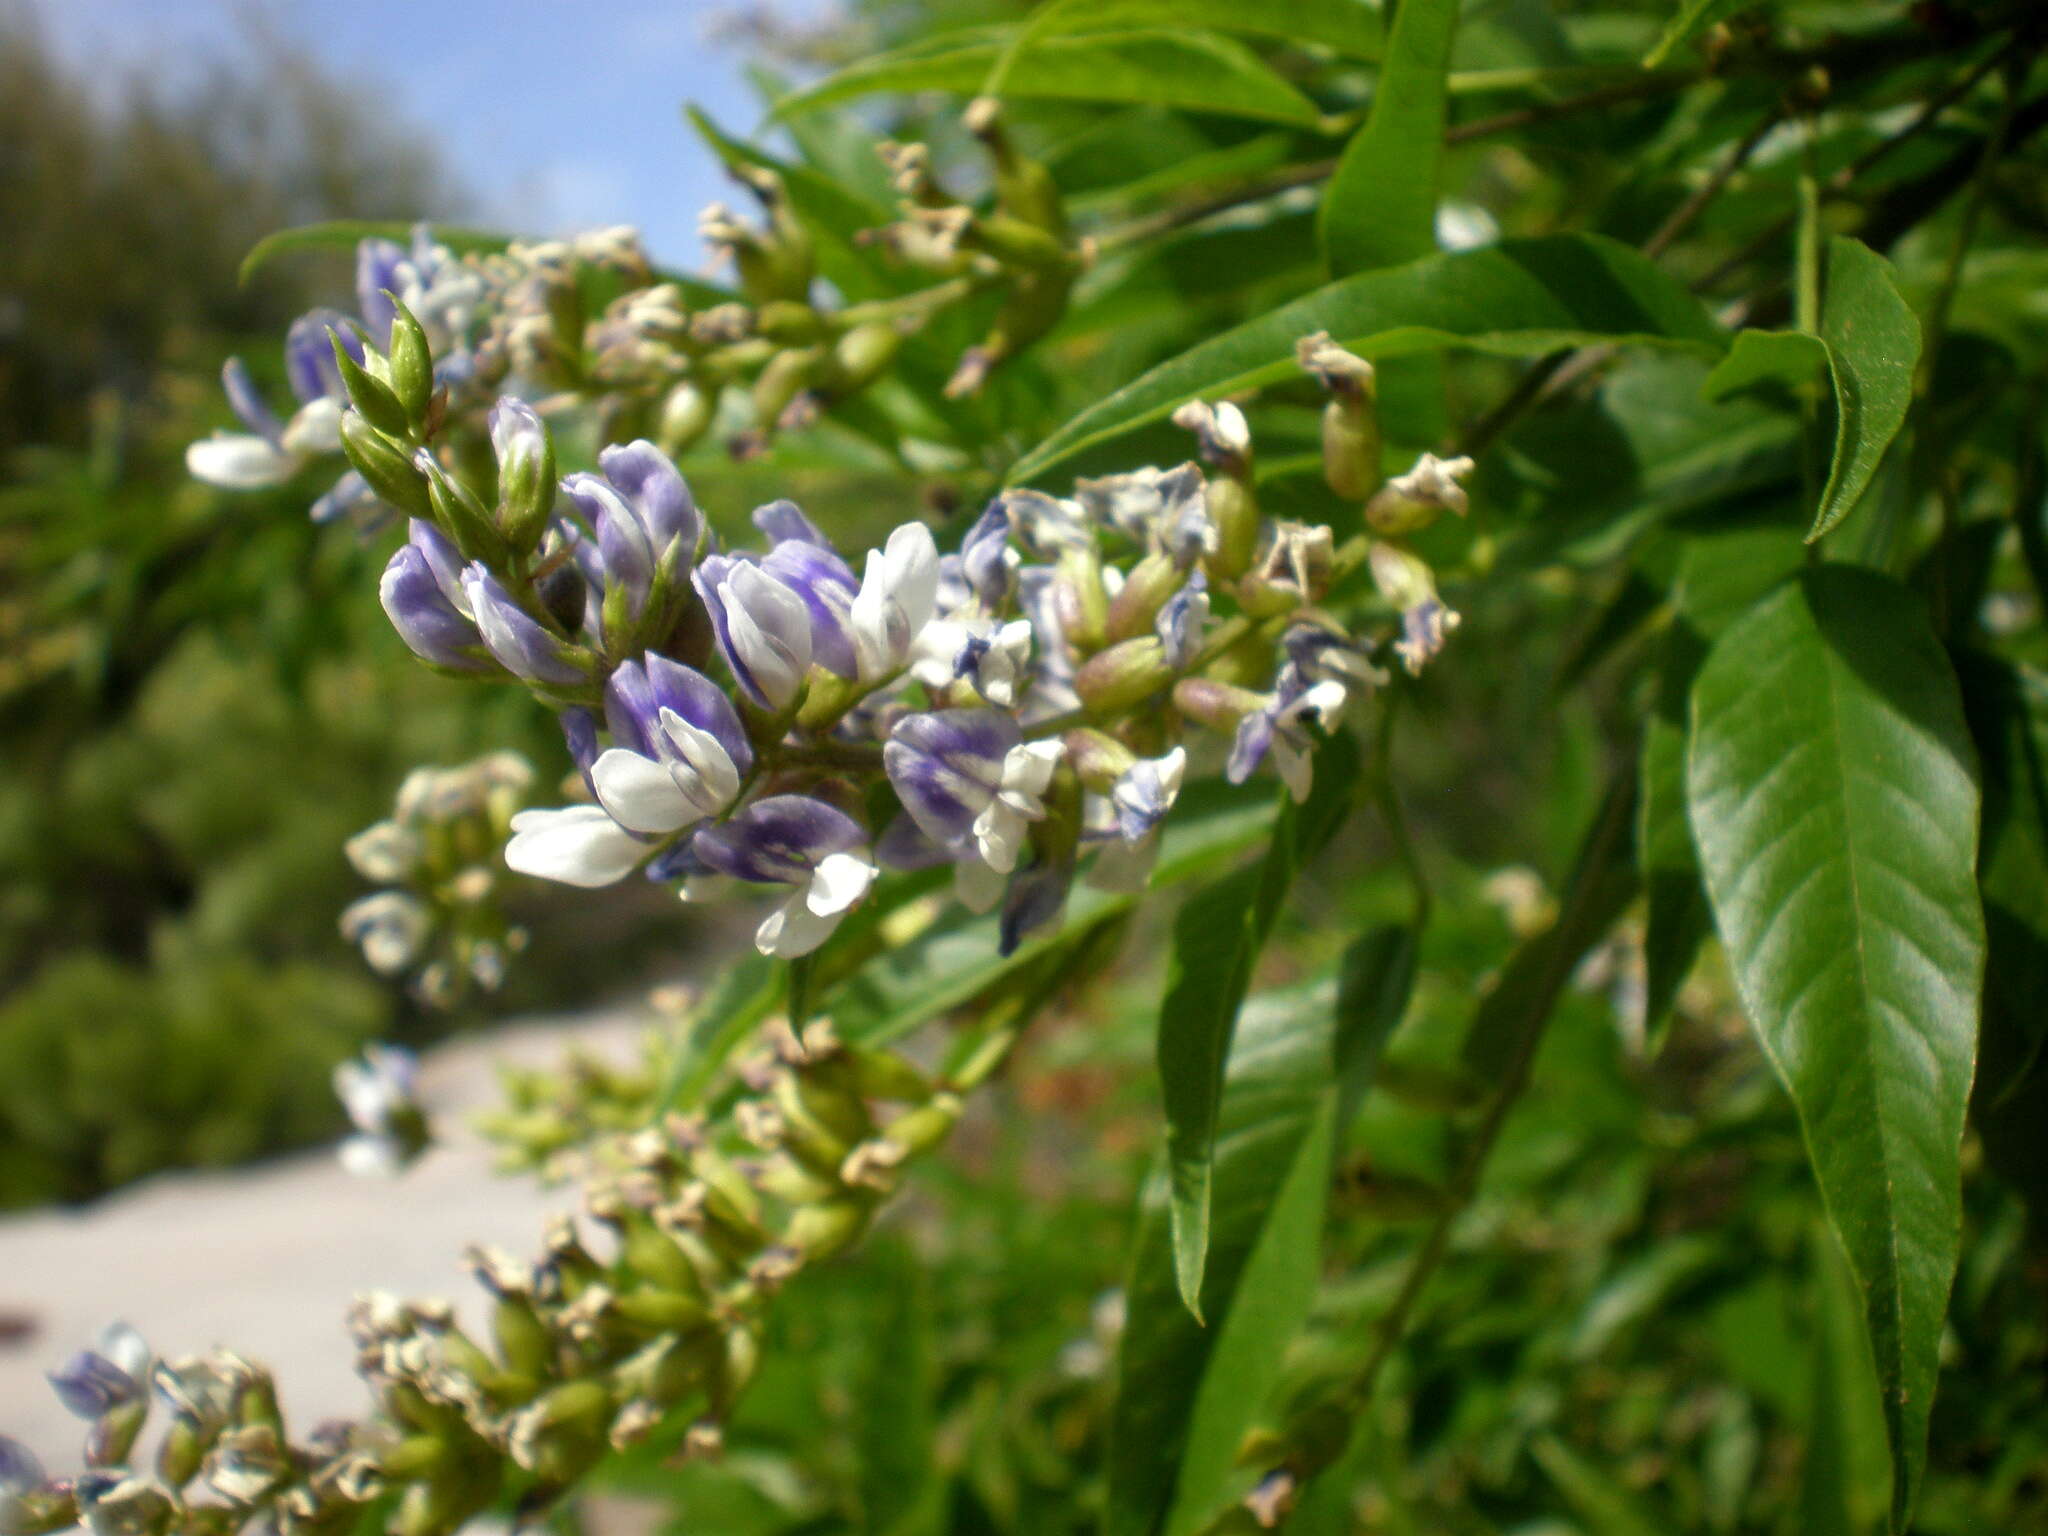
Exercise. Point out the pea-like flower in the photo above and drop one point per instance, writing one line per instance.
(642, 514)
(682, 752)
(390, 927)
(969, 779)
(272, 451)
(423, 594)
(94, 1382)
(763, 628)
(522, 645)
(381, 1095)
(1280, 730)
(797, 841)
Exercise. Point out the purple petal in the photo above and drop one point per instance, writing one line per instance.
(247, 403)
(779, 840)
(519, 642)
(827, 585)
(1035, 898)
(309, 366)
(784, 522)
(579, 729)
(430, 625)
(89, 1385)
(1248, 748)
(657, 493)
(638, 692)
(946, 766)
(984, 555)
(377, 267)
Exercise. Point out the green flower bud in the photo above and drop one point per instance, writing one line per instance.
(663, 1311)
(1145, 591)
(864, 354)
(885, 1075)
(179, 1454)
(111, 1439)
(1111, 681)
(686, 415)
(819, 1231)
(461, 515)
(411, 364)
(371, 395)
(525, 453)
(385, 467)
(1098, 759)
(1218, 705)
(1351, 421)
(921, 1129)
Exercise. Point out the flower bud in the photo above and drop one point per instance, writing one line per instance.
(686, 414)
(1218, 705)
(386, 468)
(864, 354)
(1099, 760)
(526, 473)
(411, 364)
(1111, 681)
(819, 1231)
(1145, 591)
(1351, 423)
(370, 395)
(1411, 502)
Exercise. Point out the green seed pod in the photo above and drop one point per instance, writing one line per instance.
(524, 1342)
(1234, 509)
(864, 354)
(885, 1075)
(921, 1129)
(111, 1439)
(1218, 705)
(662, 1311)
(819, 1231)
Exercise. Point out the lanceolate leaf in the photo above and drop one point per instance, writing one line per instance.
(745, 996)
(1835, 810)
(1217, 937)
(1720, 576)
(1191, 70)
(1349, 27)
(1873, 342)
(1380, 207)
(1786, 358)
(1518, 298)
(1186, 1393)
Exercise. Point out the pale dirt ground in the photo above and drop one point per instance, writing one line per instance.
(264, 1260)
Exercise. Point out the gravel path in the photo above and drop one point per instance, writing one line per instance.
(265, 1260)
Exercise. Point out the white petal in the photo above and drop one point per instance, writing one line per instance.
(703, 768)
(978, 886)
(315, 427)
(793, 929)
(1292, 765)
(1173, 768)
(838, 882)
(1028, 768)
(639, 793)
(577, 845)
(126, 1348)
(239, 461)
(776, 648)
(999, 834)
(914, 573)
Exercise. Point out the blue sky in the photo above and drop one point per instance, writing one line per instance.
(555, 114)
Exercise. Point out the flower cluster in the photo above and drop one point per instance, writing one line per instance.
(651, 1313)
(437, 854)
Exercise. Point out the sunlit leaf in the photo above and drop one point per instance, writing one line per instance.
(1379, 208)
(1217, 937)
(1516, 299)
(1873, 341)
(1834, 806)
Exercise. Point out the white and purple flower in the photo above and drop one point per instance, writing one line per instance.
(970, 780)
(793, 840)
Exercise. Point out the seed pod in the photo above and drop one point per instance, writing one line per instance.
(1113, 680)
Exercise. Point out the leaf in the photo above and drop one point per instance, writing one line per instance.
(1693, 18)
(1348, 27)
(344, 234)
(1188, 70)
(747, 993)
(1217, 937)
(1519, 298)
(1720, 575)
(1380, 207)
(1873, 341)
(1185, 1392)
(1788, 358)
(1833, 804)
(1841, 1485)
(1375, 979)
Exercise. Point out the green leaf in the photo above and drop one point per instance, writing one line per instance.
(1873, 341)
(1348, 27)
(1841, 1486)
(1217, 937)
(343, 235)
(1380, 207)
(1835, 811)
(1520, 298)
(1191, 71)
(1186, 1393)
(1786, 358)
(1693, 18)
(750, 990)
(1375, 979)
(1720, 575)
